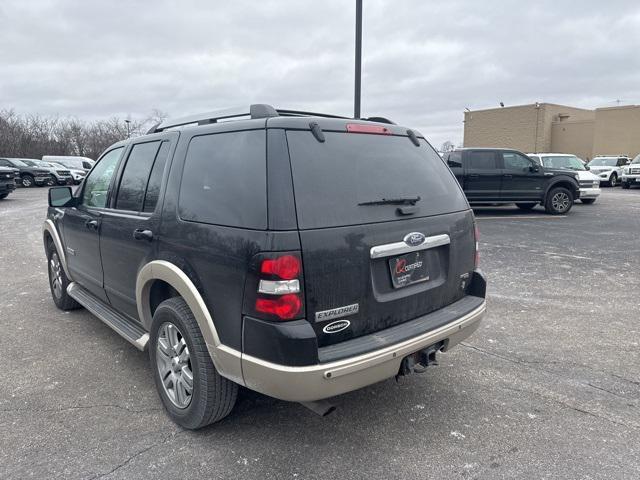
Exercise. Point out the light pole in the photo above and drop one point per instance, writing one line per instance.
(358, 69)
(128, 128)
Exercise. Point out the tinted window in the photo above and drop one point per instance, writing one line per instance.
(5, 163)
(135, 176)
(515, 161)
(96, 185)
(333, 178)
(155, 179)
(225, 181)
(455, 160)
(482, 160)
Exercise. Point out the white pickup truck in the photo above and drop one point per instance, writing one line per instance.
(631, 173)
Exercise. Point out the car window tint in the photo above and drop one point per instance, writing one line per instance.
(515, 161)
(455, 160)
(155, 179)
(5, 163)
(135, 176)
(482, 160)
(96, 185)
(224, 181)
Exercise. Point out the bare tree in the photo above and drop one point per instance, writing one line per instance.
(447, 146)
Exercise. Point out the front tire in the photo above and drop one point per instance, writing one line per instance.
(58, 281)
(191, 389)
(559, 201)
(3, 196)
(27, 181)
(525, 206)
(613, 180)
(50, 181)
(587, 201)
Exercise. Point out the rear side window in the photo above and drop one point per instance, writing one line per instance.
(155, 179)
(333, 178)
(224, 181)
(135, 176)
(482, 160)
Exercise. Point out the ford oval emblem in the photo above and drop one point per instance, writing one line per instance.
(414, 239)
(337, 326)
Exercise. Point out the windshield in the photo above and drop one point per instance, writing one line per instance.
(30, 163)
(563, 162)
(352, 179)
(636, 160)
(604, 162)
(19, 163)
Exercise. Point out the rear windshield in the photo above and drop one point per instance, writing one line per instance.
(332, 178)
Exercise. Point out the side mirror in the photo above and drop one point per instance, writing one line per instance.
(60, 197)
(534, 168)
(587, 167)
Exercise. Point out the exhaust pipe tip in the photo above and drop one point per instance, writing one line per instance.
(320, 407)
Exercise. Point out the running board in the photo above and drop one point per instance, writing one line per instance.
(131, 332)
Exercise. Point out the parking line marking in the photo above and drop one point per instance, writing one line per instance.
(522, 217)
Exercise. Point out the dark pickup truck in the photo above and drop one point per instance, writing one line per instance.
(492, 175)
(7, 181)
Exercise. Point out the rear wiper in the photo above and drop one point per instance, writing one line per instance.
(394, 201)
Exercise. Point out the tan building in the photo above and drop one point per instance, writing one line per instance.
(547, 127)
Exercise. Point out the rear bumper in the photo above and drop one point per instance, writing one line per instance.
(589, 193)
(315, 382)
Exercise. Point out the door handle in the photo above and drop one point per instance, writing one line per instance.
(91, 224)
(507, 175)
(142, 234)
(473, 175)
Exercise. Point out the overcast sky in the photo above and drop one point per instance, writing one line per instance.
(423, 61)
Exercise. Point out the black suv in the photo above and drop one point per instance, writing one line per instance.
(493, 175)
(299, 255)
(7, 181)
(29, 175)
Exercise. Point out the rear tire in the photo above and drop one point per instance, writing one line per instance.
(27, 181)
(525, 206)
(588, 201)
(613, 180)
(559, 201)
(58, 281)
(50, 181)
(181, 362)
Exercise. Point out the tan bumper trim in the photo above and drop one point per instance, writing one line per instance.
(327, 380)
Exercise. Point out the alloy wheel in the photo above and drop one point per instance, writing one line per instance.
(561, 202)
(26, 182)
(173, 362)
(55, 270)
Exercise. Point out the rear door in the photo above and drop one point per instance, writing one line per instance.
(522, 179)
(358, 259)
(482, 175)
(129, 228)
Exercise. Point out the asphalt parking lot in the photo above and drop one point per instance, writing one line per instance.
(549, 386)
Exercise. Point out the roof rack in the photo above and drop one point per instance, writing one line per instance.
(257, 110)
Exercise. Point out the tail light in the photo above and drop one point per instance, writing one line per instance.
(278, 288)
(476, 234)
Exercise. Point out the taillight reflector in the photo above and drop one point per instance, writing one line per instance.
(476, 234)
(363, 128)
(285, 307)
(286, 267)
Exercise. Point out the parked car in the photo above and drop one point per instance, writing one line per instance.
(299, 255)
(589, 183)
(8, 177)
(631, 173)
(29, 175)
(609, 168)
(58, 175)
(78, 166)
(494, 175)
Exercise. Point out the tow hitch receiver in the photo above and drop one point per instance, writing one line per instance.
(419, 361)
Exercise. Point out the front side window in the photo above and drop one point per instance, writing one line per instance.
(96, 185)
(454, 160)
(515, 161)
(224, 181)
(135, 176)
